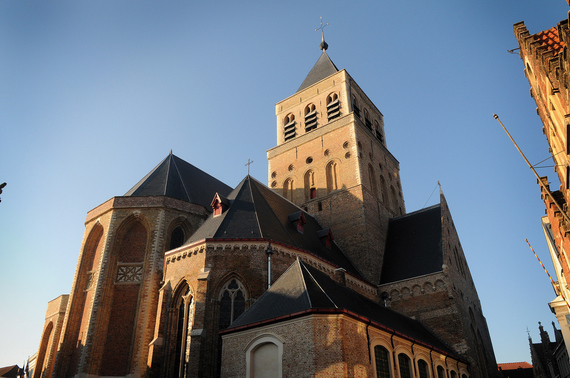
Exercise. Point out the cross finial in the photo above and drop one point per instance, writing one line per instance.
(248, 164)
(324, 45)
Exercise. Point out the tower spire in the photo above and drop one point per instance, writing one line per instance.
(323, 46)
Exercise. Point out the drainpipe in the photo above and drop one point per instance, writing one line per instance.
(269, 252)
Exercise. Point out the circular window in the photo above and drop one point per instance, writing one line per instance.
(290, 168)
(274, 184)
(345, 145)
(327, 152)
(347, 155)
(309, 160)
(273, 174)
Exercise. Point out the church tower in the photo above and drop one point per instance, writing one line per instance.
(331, 159)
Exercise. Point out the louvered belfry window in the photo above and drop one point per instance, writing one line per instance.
(355, 106)
(310, 117)
(289, 127)
(333, 107)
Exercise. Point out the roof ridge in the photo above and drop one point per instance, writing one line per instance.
(293, 242)
(254, 207)
(166, 181)
(303, 282)
(179, 176)
(318, 284)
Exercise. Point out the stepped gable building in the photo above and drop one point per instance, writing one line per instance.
(546, 59)
(320, 274)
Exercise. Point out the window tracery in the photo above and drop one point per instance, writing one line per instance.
(232, 302)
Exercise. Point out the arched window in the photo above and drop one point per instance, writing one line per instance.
(177, 237)
(440, 372)
(288, 189)
(333, 107)
(332, 176)
(310, 117)
(289, 128)
(355, 106)
(373, 187)
(378, 132)
(232, 302)
(394, 199)
(384, 192)
(181, 328)
(382, 360)
(404, 365)
(367, 121)
(453, 374)
(423, 369)
(310, 189)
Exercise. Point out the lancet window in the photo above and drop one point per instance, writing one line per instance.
(440, 372)
(177, 237)
(367, 121)
(355, 106)
(181, 328)
(373, 186)
(288, 189)
(232, 302)
(378, 132)
(310, 189)
(332, 176)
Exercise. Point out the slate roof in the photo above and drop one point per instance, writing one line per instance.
(176, 178)
(256, 212)
(303, 288)
(413, 245)
(322, 69)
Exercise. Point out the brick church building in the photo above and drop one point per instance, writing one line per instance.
(321, 273)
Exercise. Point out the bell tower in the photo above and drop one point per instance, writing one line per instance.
(331, 159)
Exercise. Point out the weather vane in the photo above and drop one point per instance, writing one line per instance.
(248, 164)
(324, 45)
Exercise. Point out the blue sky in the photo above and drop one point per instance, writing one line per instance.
(94, 94)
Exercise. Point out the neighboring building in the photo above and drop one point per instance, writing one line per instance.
(549, 358)
(321, 274)
(546, 59)
(516, 370)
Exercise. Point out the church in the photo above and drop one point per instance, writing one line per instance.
(322, 272)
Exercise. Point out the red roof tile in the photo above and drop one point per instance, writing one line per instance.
(514, 365)
(550, 38)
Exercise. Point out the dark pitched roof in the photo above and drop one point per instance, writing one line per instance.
(322, 69)
(413, 245)
(175, 178)
(255, 211)
(302, 288)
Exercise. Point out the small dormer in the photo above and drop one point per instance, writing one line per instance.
(326, 237)
(298, 219)
(219, 205)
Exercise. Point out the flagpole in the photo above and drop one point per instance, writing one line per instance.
(540, 182)
(557, 291)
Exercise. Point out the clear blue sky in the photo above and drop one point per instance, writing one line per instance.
(94, 94)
